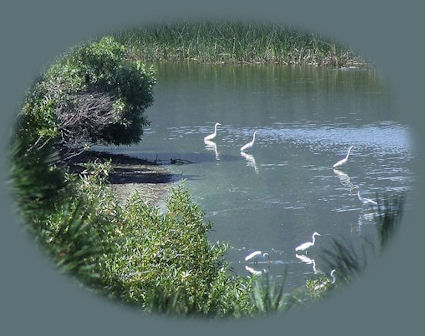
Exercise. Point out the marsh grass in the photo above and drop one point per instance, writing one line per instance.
(350, 261)
(268, 294)
(233, 42)
(319, 286)
(388, 218)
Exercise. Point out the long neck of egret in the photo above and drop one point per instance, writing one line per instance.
(333, 276)
(348, 154)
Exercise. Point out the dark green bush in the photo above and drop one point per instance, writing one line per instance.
(93, 94)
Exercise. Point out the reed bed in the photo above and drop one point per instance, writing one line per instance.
(233, 42)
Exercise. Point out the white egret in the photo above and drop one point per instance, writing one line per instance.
(365, 200)
(254, 271)
(326, 281)
(257, 256)
(320, 285)
(333, 276)
(344, 160)
(249, 144)
(308, 261)
(306, 245)
(213, 135)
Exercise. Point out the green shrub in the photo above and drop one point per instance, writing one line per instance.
(160, 261)
(93, 94)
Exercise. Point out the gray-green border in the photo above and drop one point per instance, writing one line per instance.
(387, 300)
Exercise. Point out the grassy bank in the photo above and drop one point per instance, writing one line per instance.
(233, 42)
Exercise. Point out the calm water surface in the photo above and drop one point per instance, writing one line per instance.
(273, 198)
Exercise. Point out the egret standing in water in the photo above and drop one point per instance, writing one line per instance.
(343, 161)
(249, 144)
(365, 200)
(213, 135)
(306, 245)
(333, 276)
(257, 256)
(254, 271)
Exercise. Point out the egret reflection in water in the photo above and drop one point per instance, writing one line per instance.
(250, 161)
(344, 178)
(308, 261)
(365, 217)
(212, 146)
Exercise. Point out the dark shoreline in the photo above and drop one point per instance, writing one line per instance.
(130, 174)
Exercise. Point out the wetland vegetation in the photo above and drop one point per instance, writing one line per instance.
(97, 93)
(221, 42)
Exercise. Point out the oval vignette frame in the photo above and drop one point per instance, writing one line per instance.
(50, 282)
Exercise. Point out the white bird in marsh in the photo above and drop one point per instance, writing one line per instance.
(365, 200)
(306, 245)
(333, 276)
(257, 256)
(213, 135)
(254, 271)
(344, 160)
(249, 144)
(325, 282)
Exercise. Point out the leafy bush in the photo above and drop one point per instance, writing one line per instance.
(165, 262)
(91, 95)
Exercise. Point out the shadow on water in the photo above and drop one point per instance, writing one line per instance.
(141, 175)
(130, 175)
(184, 158)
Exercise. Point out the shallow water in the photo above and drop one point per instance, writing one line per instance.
(283, 189)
